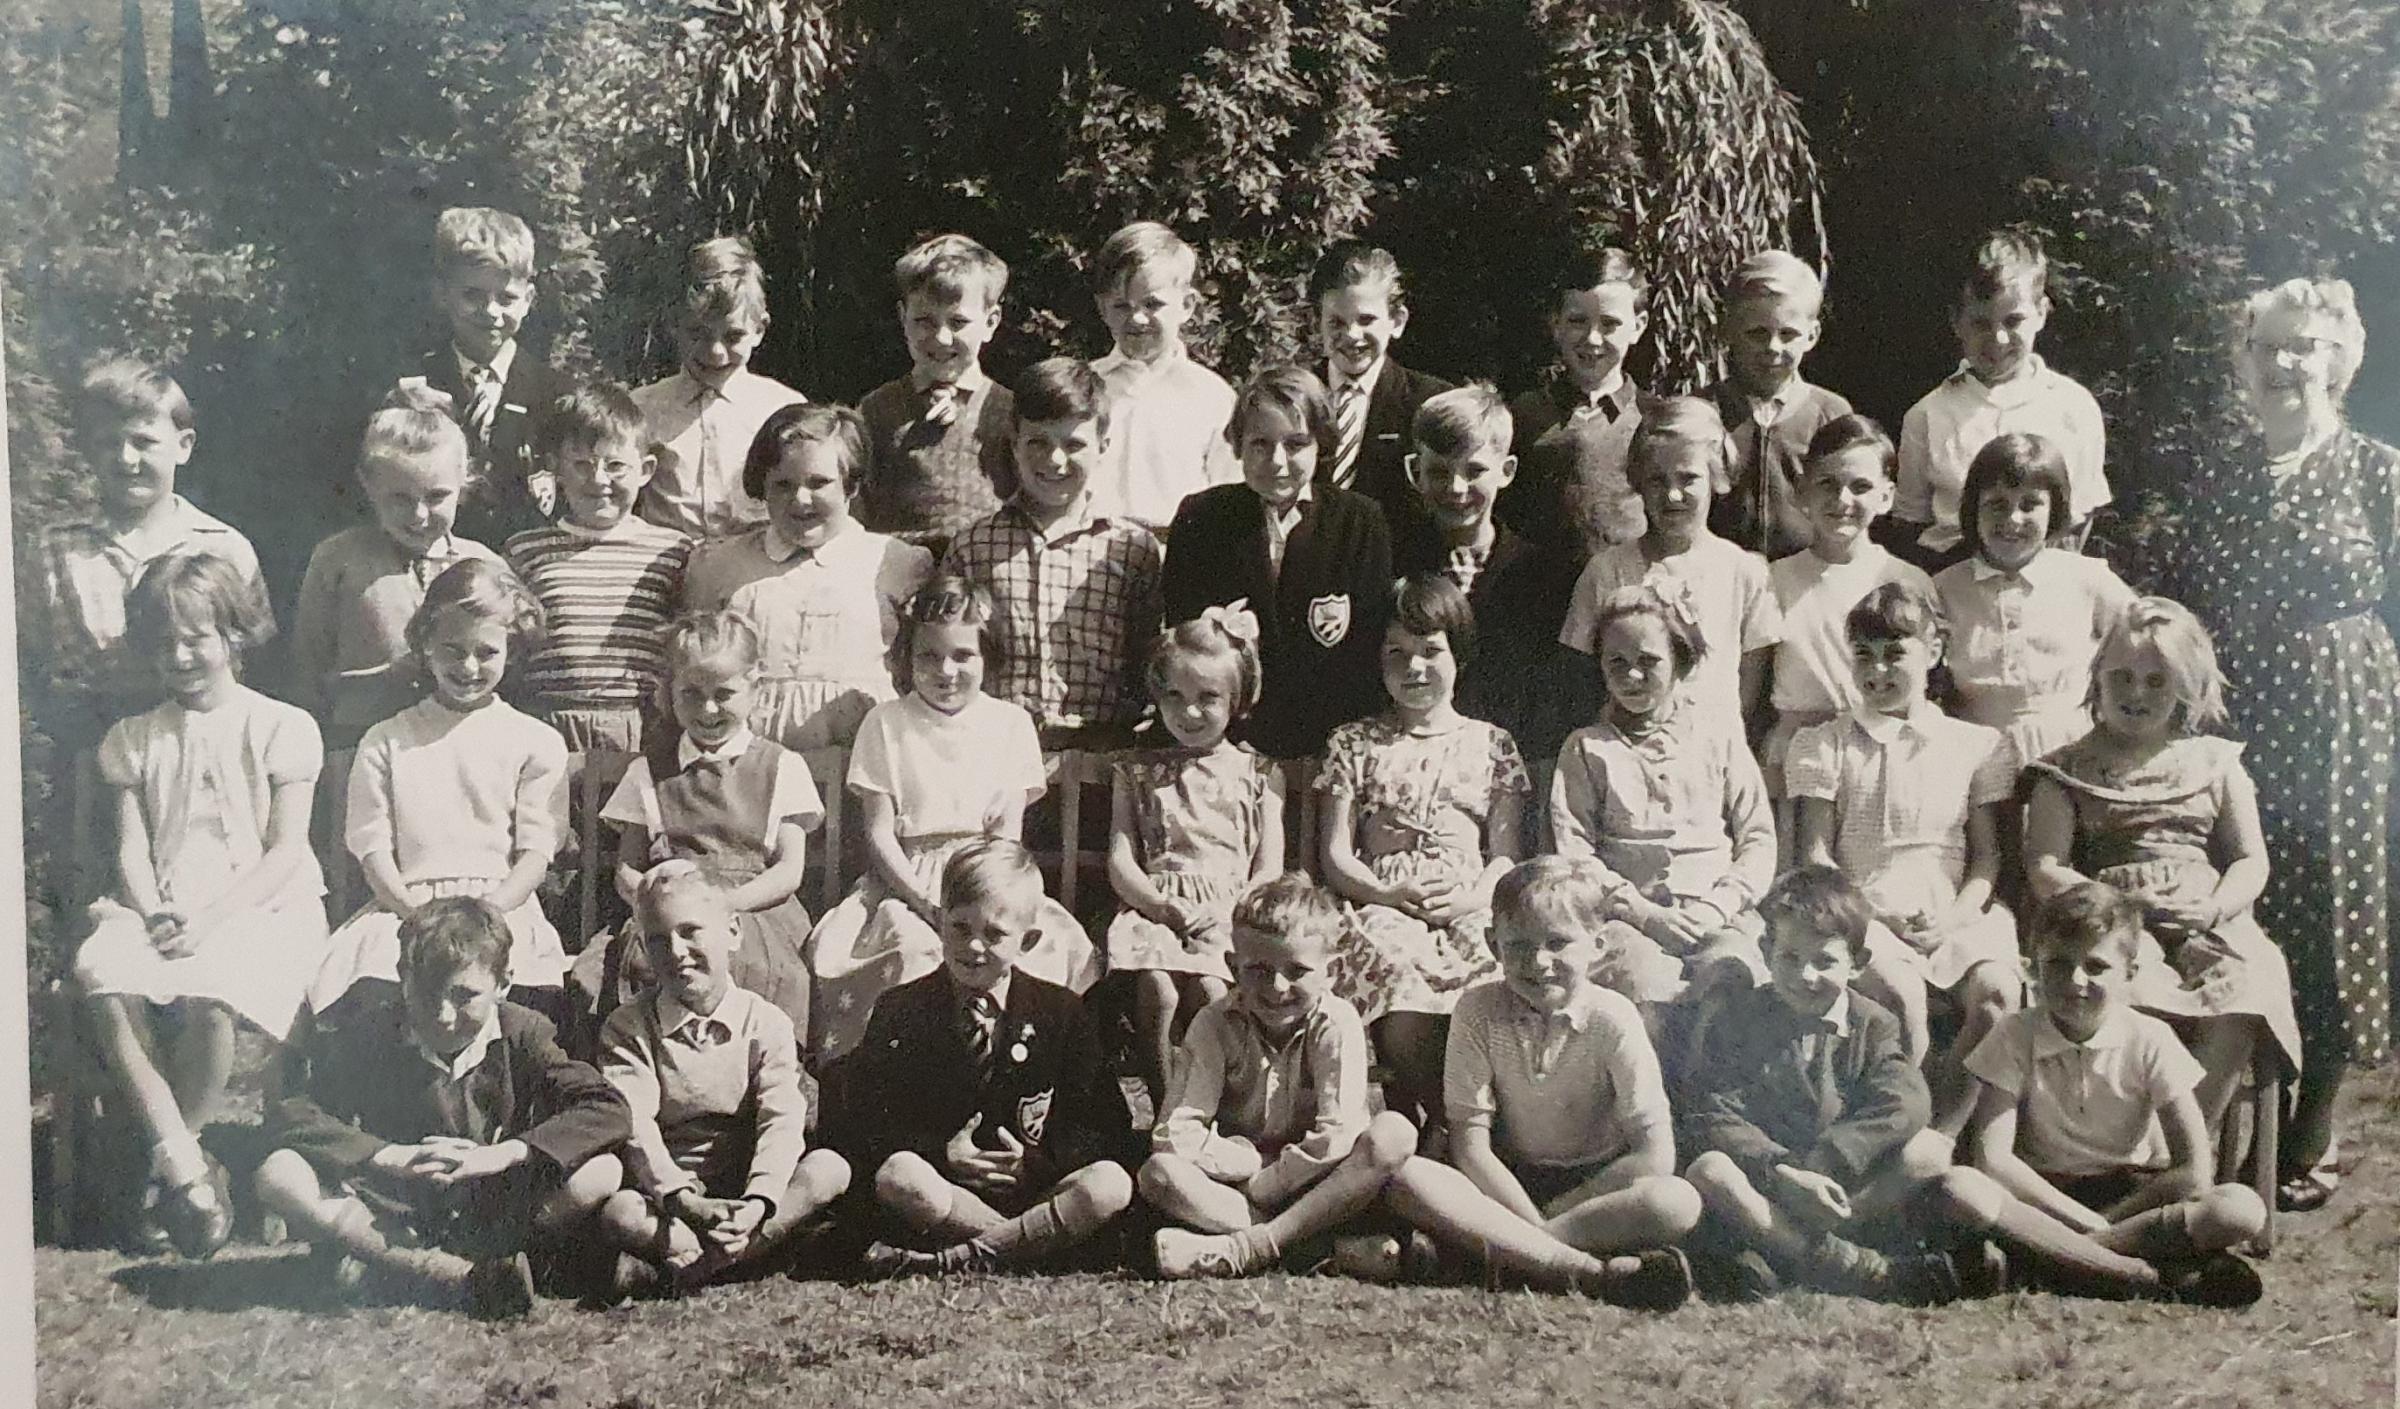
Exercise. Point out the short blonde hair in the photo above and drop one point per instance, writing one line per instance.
(479, 237)
(1677, 421)
(669, 879)
(2332, 300)
(2190, 656)
(1290, 906)
(987, 867)
(1775, 274)
(1462, 419)
(1145, 244)
(724, 280)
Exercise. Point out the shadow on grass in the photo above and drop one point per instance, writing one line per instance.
(231, 1284)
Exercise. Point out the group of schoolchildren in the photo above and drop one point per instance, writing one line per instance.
(1759, 1016)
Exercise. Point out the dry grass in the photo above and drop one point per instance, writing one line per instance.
(243, 1332)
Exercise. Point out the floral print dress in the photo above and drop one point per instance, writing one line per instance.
(1421, 800)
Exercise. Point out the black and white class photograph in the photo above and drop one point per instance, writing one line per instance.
(1124, 703)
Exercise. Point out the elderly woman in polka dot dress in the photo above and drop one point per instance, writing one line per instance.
(2294, 558)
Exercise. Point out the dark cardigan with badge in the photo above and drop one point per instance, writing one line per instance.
(498, 501)
(1320, 620)
(910, 1084)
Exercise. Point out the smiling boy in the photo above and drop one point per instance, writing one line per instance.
(940, 435)
(717, 1171)
(435, 1138)
(133, 428)
(1076, 589)
(978, 1095)
(483, 289)
(1770, 410)
(1574, 432)
(1166, 412)
(1361, 308)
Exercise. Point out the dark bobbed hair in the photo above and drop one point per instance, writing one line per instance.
(2016, 460)
(1821, 900)
(802, 422)
(947, 600)
(1429, 602)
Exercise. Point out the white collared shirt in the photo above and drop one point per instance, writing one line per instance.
(684, 415)
(1903, 790)
(500, 364)
(467, 1058)
(2022, 643)
(1941, 434)
(1559, 1089)
(673, 1018)
(1166, 436)
(1280, 524)
(2088, 1107)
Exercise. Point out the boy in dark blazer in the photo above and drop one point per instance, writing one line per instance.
(1808, 1118)
(978, 1095)
(483, 285)
(1314, 563)
(435, 1136)
(1362, 309)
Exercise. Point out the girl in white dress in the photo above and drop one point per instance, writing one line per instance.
(1910, 803)
(934, 769)
(459, 794)
(1193, 825)
(825, 592)
(219, 908)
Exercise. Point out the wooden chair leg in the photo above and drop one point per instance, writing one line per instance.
(1070, 828)
(2266, 1135)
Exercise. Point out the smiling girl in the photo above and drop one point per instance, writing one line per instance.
(933, 770)
(2025, 617)
(825, 592)
(459, 794)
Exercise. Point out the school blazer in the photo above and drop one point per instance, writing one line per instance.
(1380, 472)
(1320, 622)
(1754, 1097)
(358, 1083)
(909, 1085)
(498, 501)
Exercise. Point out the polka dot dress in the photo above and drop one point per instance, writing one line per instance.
(2290, 569)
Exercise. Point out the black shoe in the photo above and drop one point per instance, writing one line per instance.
(1662, 1282)
(2220, 1280)
(1921, 1279)
(500, 1289)
(2307, 1193)
(1982, 1270)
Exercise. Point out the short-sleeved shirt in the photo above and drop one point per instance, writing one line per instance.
(1903, 790)
(454, 796)
(1568, 1089)
(2087, 1108)
(704, 434)
(1812, 662)
(89, 568)
(947, 774)
(791, 797)
(2022, 643)
(608, 596)
(1942, 433)
(1079, 606)
(716, 1100)
(206, 781)
(827, 613)
(1166, 436)
(1728, 591)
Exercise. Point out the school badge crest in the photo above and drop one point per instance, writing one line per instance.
(1033, 1113)
(1329, 618)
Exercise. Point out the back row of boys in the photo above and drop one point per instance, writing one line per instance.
(940, 433)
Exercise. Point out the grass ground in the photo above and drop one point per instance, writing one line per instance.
(248, 1330)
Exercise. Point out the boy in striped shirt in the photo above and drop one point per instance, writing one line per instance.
(607, 581)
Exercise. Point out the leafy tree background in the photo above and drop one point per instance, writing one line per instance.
(264, 230)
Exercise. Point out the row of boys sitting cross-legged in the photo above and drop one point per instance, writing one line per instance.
(1765, 1003)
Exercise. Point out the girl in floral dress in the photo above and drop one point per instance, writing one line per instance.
(2152, 806)
(1424, 812)
(1193, 826)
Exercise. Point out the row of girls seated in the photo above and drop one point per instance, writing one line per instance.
(1425, 806)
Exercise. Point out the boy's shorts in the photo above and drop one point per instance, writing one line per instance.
(484, 1218)
(2097, 1191)
(1544, 1182)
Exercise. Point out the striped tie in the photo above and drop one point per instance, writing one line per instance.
(1350, 426)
